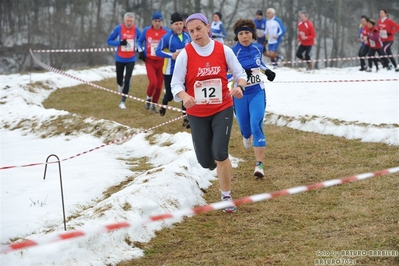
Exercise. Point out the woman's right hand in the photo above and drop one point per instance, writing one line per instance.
(188, 101)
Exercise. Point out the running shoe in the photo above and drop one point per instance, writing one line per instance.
(122, 105)
(258, 173)
(147, 104)
(231, 208)
(153, 109)
(162, 111)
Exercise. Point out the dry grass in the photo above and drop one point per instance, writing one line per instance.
(287, 230)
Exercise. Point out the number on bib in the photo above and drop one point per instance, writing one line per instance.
(153, 47)
(129, 47)
(254, 78)
(383, 34)
(208, 91)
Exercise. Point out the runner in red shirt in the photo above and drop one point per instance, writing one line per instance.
(387, 29)
(306, 36)
(147, 45)
(200, 81)
(364, 47)
(375, 42)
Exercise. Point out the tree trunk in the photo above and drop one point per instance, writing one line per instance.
(197, 6)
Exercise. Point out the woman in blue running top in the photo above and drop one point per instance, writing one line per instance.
(170, 46)
(250, 109)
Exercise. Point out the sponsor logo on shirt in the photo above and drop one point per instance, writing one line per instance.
(208, 70)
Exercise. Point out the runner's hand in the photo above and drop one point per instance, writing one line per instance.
(249, 72)
(270, 74)
(188, 101)
(142, 56)
(237, 92)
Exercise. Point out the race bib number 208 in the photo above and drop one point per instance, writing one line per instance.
(255, 77)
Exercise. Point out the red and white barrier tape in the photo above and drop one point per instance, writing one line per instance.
(337, 59)
(192, 211)
(52, 69)
(113, 49)
(55, 70)
(83, 50)
(333, 81)
(96, 148)
(177, 109)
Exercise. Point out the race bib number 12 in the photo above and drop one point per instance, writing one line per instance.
(208, 91)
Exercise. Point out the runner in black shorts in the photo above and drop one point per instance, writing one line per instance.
(211, 137)
(203, 88)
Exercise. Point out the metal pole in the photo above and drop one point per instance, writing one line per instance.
(62, 191)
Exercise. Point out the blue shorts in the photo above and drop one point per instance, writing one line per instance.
(272, 47)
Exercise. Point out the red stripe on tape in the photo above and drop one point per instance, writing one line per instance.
(72, 234)
(118, 226)
(315, 186)
(161, 217)
(24, 244)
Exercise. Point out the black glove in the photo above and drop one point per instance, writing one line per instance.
(249, 72)
(123, 42)
(142, 56)
(270, 74)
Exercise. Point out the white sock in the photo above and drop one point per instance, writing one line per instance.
(149, 99)
(225, 193)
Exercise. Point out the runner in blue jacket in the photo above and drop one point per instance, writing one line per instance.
(260, 23)
(169, 47)
(250, 109)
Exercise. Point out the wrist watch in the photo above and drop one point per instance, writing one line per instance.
(241, 87)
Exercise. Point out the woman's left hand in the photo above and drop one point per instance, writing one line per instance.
(236, 92)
